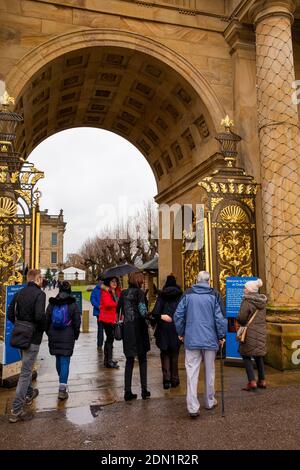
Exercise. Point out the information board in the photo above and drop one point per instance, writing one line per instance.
(78, 297)
(10, 355)
(234, 294)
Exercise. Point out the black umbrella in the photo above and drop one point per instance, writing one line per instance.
(118, 271)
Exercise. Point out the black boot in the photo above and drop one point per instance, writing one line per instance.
(105, 355)
(112, 365)
(128, 396)
(145, 394)
(108, 360)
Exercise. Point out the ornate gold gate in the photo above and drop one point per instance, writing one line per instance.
(19, 206)
(229, 226)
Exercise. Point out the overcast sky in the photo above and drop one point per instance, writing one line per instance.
(87, 169)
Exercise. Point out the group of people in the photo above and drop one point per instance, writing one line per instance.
(194, 318)
(50, 283)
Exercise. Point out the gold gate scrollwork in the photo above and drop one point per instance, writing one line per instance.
(17, 182)
(234, 255)
(190, 256)
(234, 245)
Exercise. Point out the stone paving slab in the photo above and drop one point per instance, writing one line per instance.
(91, 383)
(96, 393)
(268, 419)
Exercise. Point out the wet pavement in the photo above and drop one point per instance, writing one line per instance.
(96, 417)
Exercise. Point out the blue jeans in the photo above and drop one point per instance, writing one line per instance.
(24, 386)
(100, 335)
(62, 367)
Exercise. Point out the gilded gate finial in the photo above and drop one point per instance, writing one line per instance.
(227, 123)
(6, 100)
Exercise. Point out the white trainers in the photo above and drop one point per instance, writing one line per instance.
(214, 405)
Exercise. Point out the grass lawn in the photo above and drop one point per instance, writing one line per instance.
(85, 294)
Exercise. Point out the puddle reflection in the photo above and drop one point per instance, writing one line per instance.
(83, 415)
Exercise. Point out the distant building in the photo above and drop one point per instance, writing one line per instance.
(72, 274)
(52, 232)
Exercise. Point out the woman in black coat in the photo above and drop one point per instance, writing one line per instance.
(132, 308)
(165, 332)
(62, 334)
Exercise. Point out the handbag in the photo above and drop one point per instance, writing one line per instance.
(242, 330)
(22, 333)
(118, 329)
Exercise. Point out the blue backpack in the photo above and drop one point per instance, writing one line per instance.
(60, 317)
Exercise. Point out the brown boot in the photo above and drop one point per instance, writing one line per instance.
(251, 386)
(261, 384)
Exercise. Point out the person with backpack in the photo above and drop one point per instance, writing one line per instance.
(95, 301)
(165, 332)
(27, 310)
(63, 328)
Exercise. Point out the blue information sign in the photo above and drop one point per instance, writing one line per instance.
(10, 355)
(234, 294)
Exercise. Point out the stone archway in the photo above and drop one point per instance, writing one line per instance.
(32, 62)
(126, 83)
(169, 87)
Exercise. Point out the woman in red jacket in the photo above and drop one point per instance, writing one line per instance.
(110, 295)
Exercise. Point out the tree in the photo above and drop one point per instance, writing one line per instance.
(48, 275)
(74, 259)
(131, 241)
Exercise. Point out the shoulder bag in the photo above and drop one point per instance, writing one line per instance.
(118, 329)
(22, 333)
(242, 330)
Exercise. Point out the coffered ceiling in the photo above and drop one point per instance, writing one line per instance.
(123, 91)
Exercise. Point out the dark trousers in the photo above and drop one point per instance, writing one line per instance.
(108, 346)
(169, 366)
(259, 360)
(100, 335)
(129, 369)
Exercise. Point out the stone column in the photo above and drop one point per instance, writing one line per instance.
(241, 39)
(279, 135)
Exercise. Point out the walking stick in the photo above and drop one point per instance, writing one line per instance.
(222, 381)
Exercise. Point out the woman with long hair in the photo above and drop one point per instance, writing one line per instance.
(136, 343)
(165, 332)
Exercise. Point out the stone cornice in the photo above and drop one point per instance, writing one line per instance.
(239, 36)
(207, 20)
(191, 180)
(263, 9)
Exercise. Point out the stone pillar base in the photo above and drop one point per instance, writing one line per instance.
(283, 342)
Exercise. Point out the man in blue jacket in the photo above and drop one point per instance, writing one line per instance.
(95, 301)
(201, 325)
